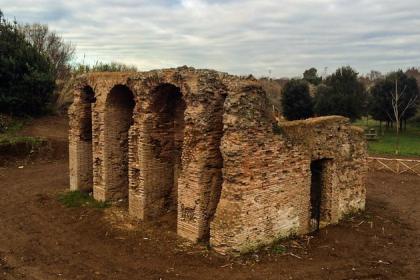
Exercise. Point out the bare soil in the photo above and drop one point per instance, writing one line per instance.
(42, 239)
(52, 134)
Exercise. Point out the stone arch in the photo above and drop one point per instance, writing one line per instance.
(160, 148)
(118, 118)
(81, 162)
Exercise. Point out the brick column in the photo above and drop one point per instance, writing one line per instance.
(80, 148)
(200, 182)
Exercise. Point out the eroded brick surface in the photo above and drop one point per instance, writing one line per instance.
(201, 144)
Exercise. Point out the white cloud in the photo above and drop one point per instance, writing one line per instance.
(237, 36)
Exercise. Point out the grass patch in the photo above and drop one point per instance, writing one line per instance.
(74, 199)
(10, 130)
(277, 246)
(11, 125)
(385, 145)
(14, 139)
(278, 249)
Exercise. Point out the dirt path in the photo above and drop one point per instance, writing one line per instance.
(51, 127)
(41, 239)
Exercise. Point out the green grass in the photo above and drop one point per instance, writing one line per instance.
(13, 139)
(11, 136)
(409, 139)
(79, 199)
(278, 249)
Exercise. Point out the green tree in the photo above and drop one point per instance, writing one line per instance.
(379, 104)
(296, 101)
(26, 76)
(341, 94)
(311, 76)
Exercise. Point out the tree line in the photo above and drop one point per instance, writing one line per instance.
(391, 98)
(26, 75)
(35, 66)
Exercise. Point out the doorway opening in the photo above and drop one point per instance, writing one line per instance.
(317, 189)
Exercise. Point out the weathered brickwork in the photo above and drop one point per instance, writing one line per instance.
(200, 144)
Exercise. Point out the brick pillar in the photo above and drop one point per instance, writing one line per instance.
(135, 202)
(147, 199)
(80, 148)
(80, 165)
(200, 182)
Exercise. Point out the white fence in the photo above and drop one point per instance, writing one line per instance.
(395, 165)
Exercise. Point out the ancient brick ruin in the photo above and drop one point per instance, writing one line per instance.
(201, 145)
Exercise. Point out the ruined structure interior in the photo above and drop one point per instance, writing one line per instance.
(200, 145)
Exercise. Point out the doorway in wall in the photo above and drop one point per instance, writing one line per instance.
(318, 189)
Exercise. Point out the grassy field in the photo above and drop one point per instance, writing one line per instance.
(385, 145)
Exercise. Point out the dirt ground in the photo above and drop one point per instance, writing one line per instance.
(42, 239)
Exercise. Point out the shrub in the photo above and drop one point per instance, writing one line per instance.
(103, 67)
(26, 76)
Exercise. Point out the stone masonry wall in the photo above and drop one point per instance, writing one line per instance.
(200, 144)
(265, 178)
(334, 138)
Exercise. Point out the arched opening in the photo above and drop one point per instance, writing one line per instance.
(117, 121)
(166, 135)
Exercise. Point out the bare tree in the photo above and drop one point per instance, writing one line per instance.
(52, 45)
(399, 108)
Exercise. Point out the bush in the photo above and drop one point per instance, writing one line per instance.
(26, 76)
(296, 101)
(103, 67)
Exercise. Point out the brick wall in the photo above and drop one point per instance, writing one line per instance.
(200, 144)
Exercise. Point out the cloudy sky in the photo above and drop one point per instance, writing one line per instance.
(237, 36)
